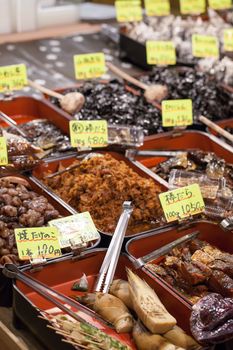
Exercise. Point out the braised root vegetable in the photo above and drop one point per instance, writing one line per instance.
(120, 288)
(111, 309)
(148, 341)
(178, 337)
(148, 307)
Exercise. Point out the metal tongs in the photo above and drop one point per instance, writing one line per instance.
(140, 262)
(227, 224)
(108, 268)
(56, 298)
(132, 153)
(13, 124)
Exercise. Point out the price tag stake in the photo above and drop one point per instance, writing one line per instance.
(37, 242)
(157, 7)
(182, 202)
(89, 66)
(78, 228)
(205, 46)
(13, 77)
(177, 113)
(128, 10)
(3, 151)
(160, 53)
(85, 133)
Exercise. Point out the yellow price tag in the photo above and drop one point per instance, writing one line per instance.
(177, 112)
(160, 52)
(205, 46)
(182, 202)
(228, 39)
(13, 77)
(194, 7)
(37, 242)
(3, 151)
(157, 7)
(89, 66)
(89, 133)
(75, 229)
(220, 4)
(128, 10)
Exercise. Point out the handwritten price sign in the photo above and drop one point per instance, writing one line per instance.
(193, 7)
(89, 66)
(228, 39)
(177, 113)
(85, 133)
(157, 7)
(205, 46)
(37, 242)
(76, 229)
(3, 151)
(220, 4)
(13, 77)
(182, 202)
(160, 52)
(128, 10)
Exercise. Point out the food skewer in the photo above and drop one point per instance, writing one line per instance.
(152, 93)
(109, 264)
(140, 262)
(216, 128)
(72, 102)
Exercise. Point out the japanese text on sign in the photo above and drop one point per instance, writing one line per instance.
(160, 52)
(128, 10)
(228, 39)
(85, 133)
(157, 7)
(3, 151)
(182, 202)
(220, 4)
(205, 46)
(177, 113)
(13, 77)
(89, 66)
(37, 242)
(75, 229)
(192, 6)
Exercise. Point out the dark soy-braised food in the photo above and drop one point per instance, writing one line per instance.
(115, 104)
(209, 99)
(20, 207)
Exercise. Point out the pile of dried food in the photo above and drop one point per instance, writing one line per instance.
(100, 185)
(196, 269)
(112, 102)
(20, 206)
(208, 97)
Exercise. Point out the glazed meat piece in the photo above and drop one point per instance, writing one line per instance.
(20, 207)
(191, 273)
(220, 283)
(100, 185)
(220, 265)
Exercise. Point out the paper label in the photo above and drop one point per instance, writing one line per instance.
(85, 133)
(205, 46)
(128, 10)
(3, 151)
(220, 4)
(89, 66)
(182, 202)
(13, 77)
(228, 39)
(177, 112)
(76, 229)
(160, 52)
(192, 7)
(157, 7)
(37, 242)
